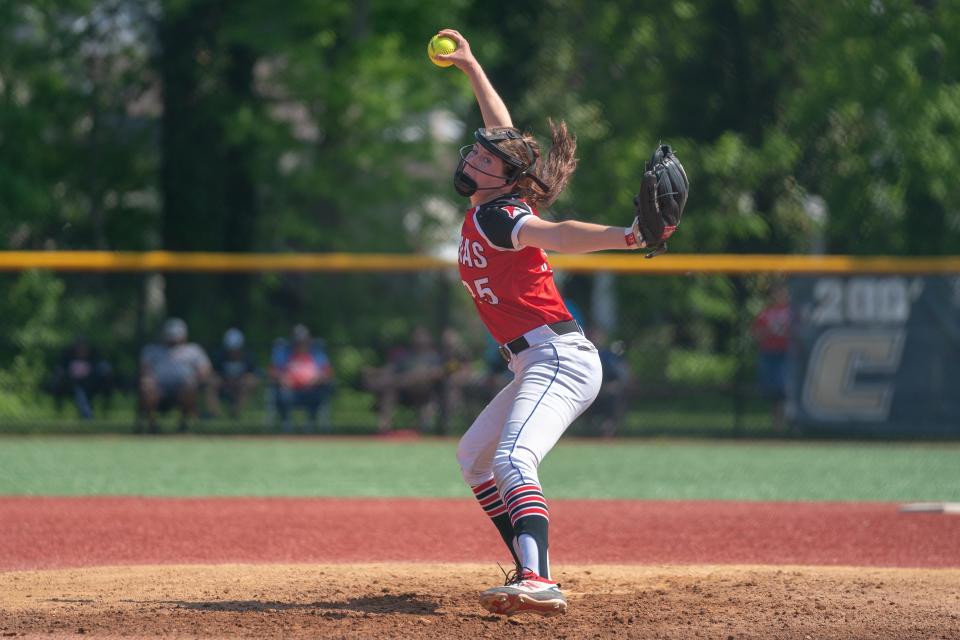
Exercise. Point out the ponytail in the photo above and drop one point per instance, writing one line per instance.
(552, 173)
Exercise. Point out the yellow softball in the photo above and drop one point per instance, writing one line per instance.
(441, 45)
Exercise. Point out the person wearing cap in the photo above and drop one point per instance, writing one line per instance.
(235, 375)
(172, 373)
(302, 377)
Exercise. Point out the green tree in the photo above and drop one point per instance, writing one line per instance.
(875, 112)
(77, 168)
(76, 165)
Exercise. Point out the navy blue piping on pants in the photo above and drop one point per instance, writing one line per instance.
(532, 411)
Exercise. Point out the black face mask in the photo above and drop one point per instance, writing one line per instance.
(467, 186)
(464, 184)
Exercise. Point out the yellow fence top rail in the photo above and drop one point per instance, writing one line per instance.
(107, 261)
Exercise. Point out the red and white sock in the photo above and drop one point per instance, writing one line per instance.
(488, 496)
(530, 517)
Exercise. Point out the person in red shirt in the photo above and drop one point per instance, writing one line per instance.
(557, 373)
(302, 377)
(771, 331)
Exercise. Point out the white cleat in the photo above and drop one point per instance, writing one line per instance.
(525, 591)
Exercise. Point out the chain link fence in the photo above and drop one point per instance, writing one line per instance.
(406, 352)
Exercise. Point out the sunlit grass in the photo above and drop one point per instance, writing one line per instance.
(577, 468)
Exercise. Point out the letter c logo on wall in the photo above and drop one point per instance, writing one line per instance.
(832, 390)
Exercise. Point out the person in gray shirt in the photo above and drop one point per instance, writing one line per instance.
(172, 373)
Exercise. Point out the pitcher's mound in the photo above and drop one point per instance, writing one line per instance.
(440, 601)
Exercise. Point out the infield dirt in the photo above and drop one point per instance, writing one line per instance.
(440, 601)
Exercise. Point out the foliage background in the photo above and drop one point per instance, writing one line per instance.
(237, 125)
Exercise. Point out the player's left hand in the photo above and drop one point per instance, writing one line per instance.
(659, 205)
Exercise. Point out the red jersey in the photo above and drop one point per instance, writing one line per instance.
(512, 285)
(771, 328)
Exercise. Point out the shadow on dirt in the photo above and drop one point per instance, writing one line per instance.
(411, 603)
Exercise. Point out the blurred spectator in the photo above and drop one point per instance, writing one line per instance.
(172, 375)
(458, 376)
(611, 404)
(302, 377)
(82, 375)
(498, 374)
(412, 377)
(771, 330)
(235, 376)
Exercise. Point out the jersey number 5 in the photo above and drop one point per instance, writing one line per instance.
(483, 292)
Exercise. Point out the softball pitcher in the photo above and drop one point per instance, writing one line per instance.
(557, 375)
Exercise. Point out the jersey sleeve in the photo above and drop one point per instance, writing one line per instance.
(499, 223)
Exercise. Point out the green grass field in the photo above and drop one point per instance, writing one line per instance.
(577, 468)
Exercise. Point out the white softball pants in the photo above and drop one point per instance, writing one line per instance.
(554, 382)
